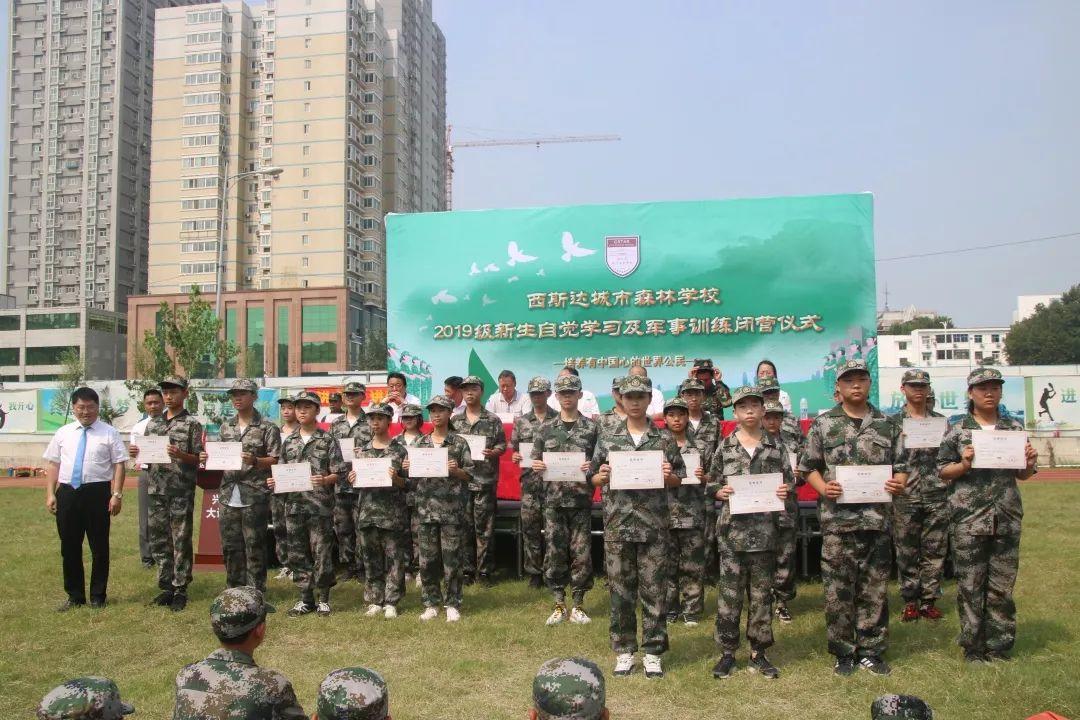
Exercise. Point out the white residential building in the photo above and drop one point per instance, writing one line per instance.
(967, 347)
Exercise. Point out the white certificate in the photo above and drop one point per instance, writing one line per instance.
(153, 450)
(348, 449)
(372, 472)
(292, 477)
(564, 466)
(999, 449)
(864, 483)
(477, 445)
(793, 461)
(632, 470)
(921, 433)
(526, 455)
(755, 493)
(692, 460)
(224, 455)
(428, 462)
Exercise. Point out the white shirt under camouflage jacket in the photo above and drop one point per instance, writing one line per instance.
(228, 685)
(442, 499)
(185, 432)
(924, 483)
(384, 507)
(557, 436)
(752, 532)
(323, 453)
(485, 472)
(262, 439)
(360, 432)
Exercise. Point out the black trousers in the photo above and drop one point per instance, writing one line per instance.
(84, 513)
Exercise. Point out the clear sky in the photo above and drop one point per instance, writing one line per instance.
(960, 117)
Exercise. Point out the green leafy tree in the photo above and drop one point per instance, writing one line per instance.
(71, 378)
(919, 323)
(372, 355)
(1051, 336)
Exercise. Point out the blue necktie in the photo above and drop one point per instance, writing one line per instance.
(76, 472)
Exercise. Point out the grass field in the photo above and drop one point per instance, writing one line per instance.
(483, 667)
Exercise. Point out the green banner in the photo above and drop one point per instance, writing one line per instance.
(605, 286)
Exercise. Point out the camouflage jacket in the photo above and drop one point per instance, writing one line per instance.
(924, 483)
(754, 532)
(525, 430)
(360, 432)
(636, 515)
(707, 433)
(609, 422)
(981, 502)
(716, 400)
(323, 453)
(228, 685)
(555, 436)
(686, 503)
(442, 499)
(262, 439)
(791, 445)
(485, 472)
(185, 432)
(791, 431)
(410, 486)
(834, 440)
(383, 508)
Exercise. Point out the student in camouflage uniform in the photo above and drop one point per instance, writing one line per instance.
(244, 498)
(706, 430)
(440, 507)
(412, 421)
(380, 519)
(532, 485)
(171, 491)
(277, 502)
(352, 424)
(309, 516)
(786, 428)
(610, 421)
(84, 698)
(569, 689)
(479, 540)
(746, 542)
(228, 685)
(354, 693)
(637, 547)
(986, 518)
(686, 503)
(717, 394)
(921, 513)
(856, 548)
(567, 505)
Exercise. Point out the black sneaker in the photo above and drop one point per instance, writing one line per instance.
(783, 613)
(179, 602)
(536, 582)
(68, 604)
(468, 579)
(875, 664)
(301, 608)
(163, 598)
(722, 670)
(148, 565)
(485, 580)
(998, 656)
(845, 665)
(974, 657)
(761, 664)
(672, 618)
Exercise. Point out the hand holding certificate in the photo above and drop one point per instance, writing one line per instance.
(224, 455)
(864, 483)
(755, 493)
(372, 473)
(428, 462)
(632, 470)
(923, 433)
(692, 460)
(525, 450)
(564, 466)
(154, 450)
(292, 477)
(999, 450)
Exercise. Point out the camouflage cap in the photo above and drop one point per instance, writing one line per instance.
(901, 707)
(441, 401)
(411, 410)
(308, 397)
(381, 409)
(539, 384)
(768, 384)
(334, 396)
(746, 391)
(978, 376)
(569, 689)
(354, 386)
(915, 377)
(615, 382)
(353, 694)
(849, 367)
(285, 398)
(774, 406)
(472, 380)
(676, 403)
(84, 698)
(567, 383)
(691, 385)
(237, 610)
(174, 381)
(244, 385)
(703, 364)
(635, 384)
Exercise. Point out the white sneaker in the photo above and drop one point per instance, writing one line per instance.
(284, 574)
(452, 614)
(557, 615)
(372, 610)
(578, 616)
(691, 623)
(653, 668)
(429, 614)
(389, 612)
(419, 582)
(322, 609)
(624, 664)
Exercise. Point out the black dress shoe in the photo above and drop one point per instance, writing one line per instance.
(98, 603)
(69, 604)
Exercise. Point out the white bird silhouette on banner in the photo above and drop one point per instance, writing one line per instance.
(491, 267)
(444, 297)
(540, 272)
(474, 270)
(516, 256)
(512, 278)
(467, 297)
(485, 300)
(571, 249)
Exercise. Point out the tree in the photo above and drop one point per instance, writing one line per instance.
(71, 378)
(372, 355)
(1051, 336)
(919, 323)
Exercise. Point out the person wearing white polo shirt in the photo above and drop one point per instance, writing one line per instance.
(84, 484)
(507, 402)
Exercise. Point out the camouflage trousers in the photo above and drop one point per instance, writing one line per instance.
(744, 576)
(311, 553)
(478, 542)
(384, 560)
(532, 526)
(711, 567)
(440, 561)
(685, 585)
(920, 533)
(569, 552)
(345, 531)
(281, 533)
(638, 570)
(243, 543)
(784, 577)
(169, 523)
(409, 545)
(986, 567)
(855, 574)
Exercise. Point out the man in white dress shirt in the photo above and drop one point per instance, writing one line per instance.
(452, 389)
(154, 405)
(507, 402)
(587, 405)
(397, 395)
(84, 483)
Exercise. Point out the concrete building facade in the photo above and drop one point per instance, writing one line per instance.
(955, 347)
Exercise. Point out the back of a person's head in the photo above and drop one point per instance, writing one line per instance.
(569, 689)
(353, 694)
(900, 707)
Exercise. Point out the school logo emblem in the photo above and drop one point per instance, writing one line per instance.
(622, 253)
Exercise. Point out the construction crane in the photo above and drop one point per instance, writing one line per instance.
(451, 145)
